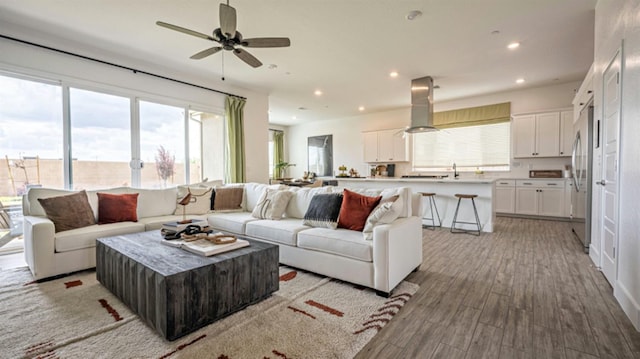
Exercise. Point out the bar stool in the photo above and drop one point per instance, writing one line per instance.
(432, 205)
(475, 211)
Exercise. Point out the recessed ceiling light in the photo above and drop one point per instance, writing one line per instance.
(361, 108)
(520, 81)
(413, 14)
(513, 45)
(318, 93)
(393, 74)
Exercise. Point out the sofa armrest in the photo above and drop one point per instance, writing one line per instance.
(397, 251)
(39, 235)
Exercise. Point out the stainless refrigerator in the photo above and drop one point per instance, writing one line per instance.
(581, 162)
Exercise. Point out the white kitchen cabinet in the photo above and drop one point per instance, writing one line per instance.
(541, 197)
(539, 135)
(385, 146)
(505, 196)
(566, 133)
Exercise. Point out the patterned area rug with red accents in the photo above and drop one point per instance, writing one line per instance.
(76, 317)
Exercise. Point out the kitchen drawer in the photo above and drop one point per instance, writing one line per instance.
(505, 183)
(541, 183)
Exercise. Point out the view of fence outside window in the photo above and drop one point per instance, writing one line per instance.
(103, 140)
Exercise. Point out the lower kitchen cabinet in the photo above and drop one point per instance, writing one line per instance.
(505, 199)
(540, 197)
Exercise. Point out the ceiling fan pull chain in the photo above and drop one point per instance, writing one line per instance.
(223, 66)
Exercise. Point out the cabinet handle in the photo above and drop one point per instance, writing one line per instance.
(589, 91)
(527, 183)
(552, 184)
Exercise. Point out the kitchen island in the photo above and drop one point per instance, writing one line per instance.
(445, 189)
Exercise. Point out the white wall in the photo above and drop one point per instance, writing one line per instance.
(21, 58)
(348, 141)
(617, 21)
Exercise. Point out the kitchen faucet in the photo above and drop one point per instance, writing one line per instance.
(455, 173)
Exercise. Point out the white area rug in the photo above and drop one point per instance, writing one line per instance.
(76, 317)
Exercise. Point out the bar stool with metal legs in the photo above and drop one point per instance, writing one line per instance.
(475, 211)
(432, 205)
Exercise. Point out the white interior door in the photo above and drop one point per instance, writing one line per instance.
(609, 181)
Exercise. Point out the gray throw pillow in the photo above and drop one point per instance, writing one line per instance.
(323, 211)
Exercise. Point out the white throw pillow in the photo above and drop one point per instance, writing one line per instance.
(200, 202)
(272, 204)
(385, 212)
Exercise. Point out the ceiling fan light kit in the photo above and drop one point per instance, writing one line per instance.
(229, 38)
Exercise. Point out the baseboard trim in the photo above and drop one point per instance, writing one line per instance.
(594, 254)
(529, 216)
(628, 304)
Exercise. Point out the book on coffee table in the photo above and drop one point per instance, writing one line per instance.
(177, 226)
(205, 247)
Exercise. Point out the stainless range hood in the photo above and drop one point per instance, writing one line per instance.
(421, 105)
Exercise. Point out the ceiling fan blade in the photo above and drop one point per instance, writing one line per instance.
(204, 53)
(228, 20)
(185, 31)
(247, 57)
(267, 42)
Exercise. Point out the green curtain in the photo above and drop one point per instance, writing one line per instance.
(278, 151)
(473, 116)
(234, 116)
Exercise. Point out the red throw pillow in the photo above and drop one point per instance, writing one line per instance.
(114, 208)
(355, 209)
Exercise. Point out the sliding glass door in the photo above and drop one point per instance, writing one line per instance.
(100, 139)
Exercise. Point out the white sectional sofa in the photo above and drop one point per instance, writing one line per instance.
(380, 263)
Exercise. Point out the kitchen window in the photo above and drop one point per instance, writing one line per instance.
(483, 147)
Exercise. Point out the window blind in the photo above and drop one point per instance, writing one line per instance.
(471, 146)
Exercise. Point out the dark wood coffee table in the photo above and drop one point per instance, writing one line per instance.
(177, 292)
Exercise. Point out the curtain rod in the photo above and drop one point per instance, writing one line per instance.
(275, 130)
(135, 71)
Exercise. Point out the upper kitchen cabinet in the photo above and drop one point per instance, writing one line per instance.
(385, 146)
(546, 134)
(566, 133)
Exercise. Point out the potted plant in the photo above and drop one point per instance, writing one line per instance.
(281, 167)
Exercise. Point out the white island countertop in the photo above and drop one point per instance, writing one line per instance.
(418, 180)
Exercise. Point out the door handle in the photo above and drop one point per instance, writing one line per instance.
(602, 183)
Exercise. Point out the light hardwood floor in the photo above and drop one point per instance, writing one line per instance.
(525, 291)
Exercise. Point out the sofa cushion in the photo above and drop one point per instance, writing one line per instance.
(86, 237)
(69, 211)
(301, 198)
(199, 202)
(284, 231)
(342, 242)
(34, 208)
(355, 209)
(323, 210)
(155, 223)
(254, 191)
(93, 196)
(228, 198)
(272, 204)
(113, 208)
(233, 222)
(405, 197)
(156, 202)
(385, 212)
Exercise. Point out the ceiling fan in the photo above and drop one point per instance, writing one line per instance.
(229, 38)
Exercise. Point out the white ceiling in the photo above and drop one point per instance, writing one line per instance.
(344, 48)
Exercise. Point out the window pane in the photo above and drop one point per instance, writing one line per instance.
(213, 143)
(30, 136)
(100, 139)
(162, 145)
(471, 147)
(195, 146)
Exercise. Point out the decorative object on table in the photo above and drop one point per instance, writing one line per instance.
(178, 226)
(342, 170)
(353, 173)
(184, 202)
(381, 170)
(207, 247)
(282, 168)
(305, 175)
